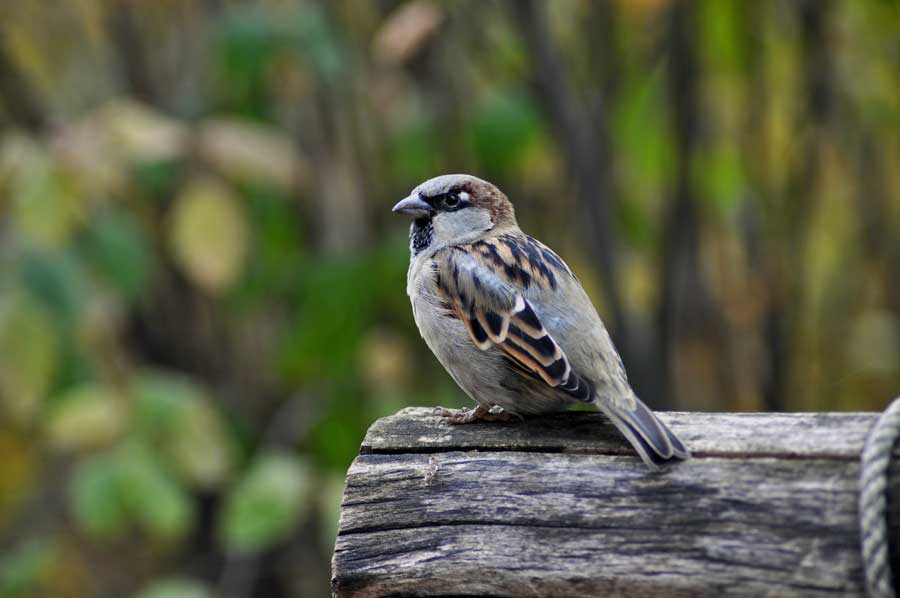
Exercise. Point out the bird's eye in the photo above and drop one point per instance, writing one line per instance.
(451, 201)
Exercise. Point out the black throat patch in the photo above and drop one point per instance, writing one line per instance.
(420, 235)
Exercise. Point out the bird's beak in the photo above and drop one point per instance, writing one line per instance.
(412, 206)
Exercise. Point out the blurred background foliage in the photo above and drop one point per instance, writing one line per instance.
(202, 291)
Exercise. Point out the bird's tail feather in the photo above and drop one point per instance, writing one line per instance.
(655, 443)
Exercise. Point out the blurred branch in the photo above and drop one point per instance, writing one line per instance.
(132, 55)
(788, 267)
(878, 238)
(584, 140)
(331, 137)
(760, 196)
(819, 100)
(602, 27)
(17, 96)
(287, 426)
(757, 102)
(687, 308)
(680, 226)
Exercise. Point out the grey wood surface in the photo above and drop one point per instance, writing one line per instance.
(560, 506)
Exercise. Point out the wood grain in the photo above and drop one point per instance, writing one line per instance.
(559, 506)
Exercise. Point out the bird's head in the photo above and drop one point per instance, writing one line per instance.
(455, 208)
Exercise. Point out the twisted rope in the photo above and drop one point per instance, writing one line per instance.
(876, 458)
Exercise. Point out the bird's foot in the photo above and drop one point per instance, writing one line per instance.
(479, 413)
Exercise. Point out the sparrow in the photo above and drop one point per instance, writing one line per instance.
(509, 320)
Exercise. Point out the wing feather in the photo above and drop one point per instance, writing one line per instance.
(496, 314)
(483, 285)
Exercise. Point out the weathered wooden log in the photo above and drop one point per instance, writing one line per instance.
(561, 506)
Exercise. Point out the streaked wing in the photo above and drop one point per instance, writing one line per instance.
(483, 295)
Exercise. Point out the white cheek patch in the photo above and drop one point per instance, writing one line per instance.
(462, 225)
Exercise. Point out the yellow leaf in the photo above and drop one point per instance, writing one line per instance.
(382, 358)
(46, 208)
(18, 471)
(141, 133)
(200, 446)
(873, 346)
(643, 9)
(85, 151)
(208, 234)
(88, 416)
(30, 354)
(406, 30)
(251, 151)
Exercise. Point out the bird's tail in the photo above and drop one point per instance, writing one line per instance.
(657, 445)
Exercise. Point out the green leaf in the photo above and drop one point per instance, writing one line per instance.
(335, 439)
(504, 124)
(339, 302)
(245, 47)
(117, 247)
(156, 502)
(176, 587)
(414, 150)
(200, 449)
(30, 355)
(96, 498)
(129, 486)
(718, 175)
(208, 234)
(266, 504)
(642, 133)
(720, 32)
(22, 568)
(278, 250)
(176, 416)
(46, 208)
(57, 279)
(635, 223)
(159, 399)
(86, 417)
(330, 497)
(158, 178)
(314, 39)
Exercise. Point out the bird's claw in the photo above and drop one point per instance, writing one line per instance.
(478, 413)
